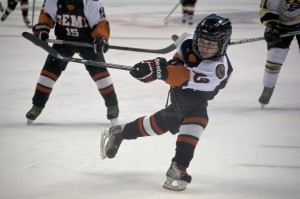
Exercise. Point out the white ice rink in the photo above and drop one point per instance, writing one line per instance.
(244, 153)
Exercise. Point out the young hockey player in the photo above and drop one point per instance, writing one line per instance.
(81, 21)
(11, 5)
(279, 17)
(198, 70)
(188, 9)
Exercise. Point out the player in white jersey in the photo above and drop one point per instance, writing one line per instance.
(279, 17)
(199, 68)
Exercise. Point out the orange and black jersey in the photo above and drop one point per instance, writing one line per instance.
(187, 71)
(80, 21)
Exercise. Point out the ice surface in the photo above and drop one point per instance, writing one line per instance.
(245, 152)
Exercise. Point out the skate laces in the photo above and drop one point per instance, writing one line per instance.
(181, 168)
(117, 136)
(114, 141)
(267, 92)
(112, 112)
(35, 110)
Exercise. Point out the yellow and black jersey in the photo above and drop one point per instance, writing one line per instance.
(286, 12)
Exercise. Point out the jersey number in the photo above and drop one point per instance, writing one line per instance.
(200, 78)
(72, 32)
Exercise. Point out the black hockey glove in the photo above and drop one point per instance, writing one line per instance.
(272, 32)
(100, 45)
(175, 62)
(150, 70)
(41, 31)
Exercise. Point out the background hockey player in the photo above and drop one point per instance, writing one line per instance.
(81, 21)
(279, 16)
(196, 73)
(11, 5)
(188, 9)
(1, 7)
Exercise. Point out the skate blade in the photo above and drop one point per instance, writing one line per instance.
(114, 121)
(104, 137)
(262, 106)
(175, 185)
(29, 122)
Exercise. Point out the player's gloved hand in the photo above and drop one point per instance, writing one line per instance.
(272, 32)
(150, 70)
(100, 45)
(41, 31)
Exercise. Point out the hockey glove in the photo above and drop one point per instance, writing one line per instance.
(100, 45)
(150, 70)
(272, 32)
(41, 31)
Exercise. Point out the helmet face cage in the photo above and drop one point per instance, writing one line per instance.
(212, 33)
(207, 48)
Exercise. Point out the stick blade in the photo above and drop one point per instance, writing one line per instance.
(175, 37)
(179, 39)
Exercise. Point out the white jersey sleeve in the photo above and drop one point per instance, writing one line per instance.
(50, 7)
(94, 12)
(178, 47)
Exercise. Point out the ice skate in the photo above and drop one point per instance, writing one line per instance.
(190, 19)
(33, 113)
(26, 21)
(265, 96)
(112, 114)
(110, 141)
(184, 18)
(4, 16)
(177, 178)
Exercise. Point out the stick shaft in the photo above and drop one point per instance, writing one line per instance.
(89, 45)
(165, 50)
(33, 9)
(262, 38)
(167, 17)
(42, 44)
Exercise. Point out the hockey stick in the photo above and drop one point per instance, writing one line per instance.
(159, 51)
(60, 56)
(33, 9)
(167, 17)
(262, 38)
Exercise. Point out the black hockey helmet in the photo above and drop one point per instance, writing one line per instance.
(213, 29)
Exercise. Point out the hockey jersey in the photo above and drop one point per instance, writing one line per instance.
(190, 72)
(286, 12)
(82, 20)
